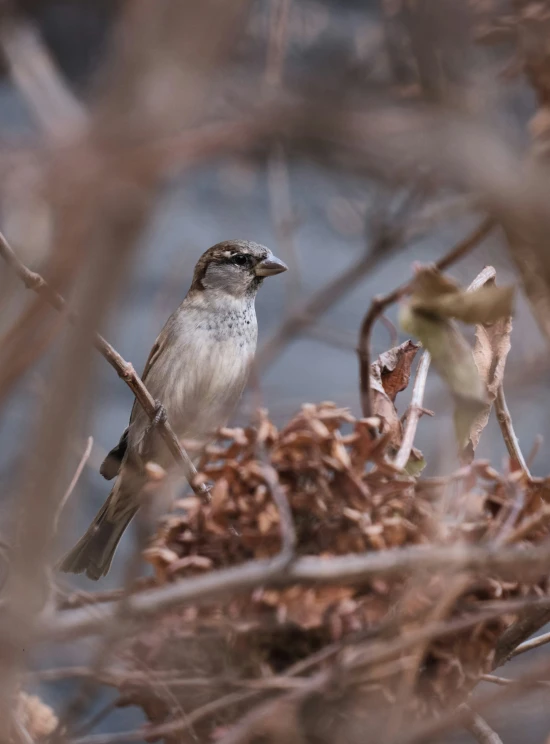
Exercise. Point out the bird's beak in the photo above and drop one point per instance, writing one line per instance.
(270, 266)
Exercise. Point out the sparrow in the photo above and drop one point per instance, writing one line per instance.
(196, 371)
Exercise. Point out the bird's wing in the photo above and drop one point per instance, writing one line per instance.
(111, 464)
(153, 354)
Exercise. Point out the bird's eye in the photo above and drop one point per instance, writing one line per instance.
(240, 259)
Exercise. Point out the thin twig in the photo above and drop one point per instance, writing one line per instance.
(34, 72)
(540, 640)
(279, 12)
(502, 681)
(529, 524)
(74, 481)
(288, 530)
(124, 369)
(530, 621)
(171, 727)
(509, 435)
(415, 412)
(479, 728)
(283, 217)
(379, 304)
(505, 681)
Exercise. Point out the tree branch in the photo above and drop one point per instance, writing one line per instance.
(415, 412)
(479, 728)
(509, 435)
(503, 561)
(124, 369)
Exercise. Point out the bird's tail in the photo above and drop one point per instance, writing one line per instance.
(94, 551)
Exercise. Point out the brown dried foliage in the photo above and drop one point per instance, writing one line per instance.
(345, 498)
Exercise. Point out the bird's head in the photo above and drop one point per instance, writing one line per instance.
(235, 267)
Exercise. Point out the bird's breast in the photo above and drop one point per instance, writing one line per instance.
(208, 377)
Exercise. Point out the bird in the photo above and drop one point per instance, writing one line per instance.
(196, 372)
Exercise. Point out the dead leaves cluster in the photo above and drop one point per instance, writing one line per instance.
(344, 498)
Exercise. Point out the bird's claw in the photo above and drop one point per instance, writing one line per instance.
(160, 417)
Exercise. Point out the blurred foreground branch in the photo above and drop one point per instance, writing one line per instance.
(505, 561)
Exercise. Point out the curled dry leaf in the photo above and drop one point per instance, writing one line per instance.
(390, 374)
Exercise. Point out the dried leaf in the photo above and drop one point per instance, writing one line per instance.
(389, 375)
(490, 351)
(453, 359)
(434, 294)
(395, 367)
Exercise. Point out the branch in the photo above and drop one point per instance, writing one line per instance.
(503, 561)
(531, 620)
(75, 479)
(541, 640)
(509, 435)
(39, 81)
(415, 412)
(479, 728)
(124, 369)
(379, 304)
(288, 530)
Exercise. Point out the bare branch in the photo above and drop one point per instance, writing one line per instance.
(288, 531)
(75, 479)
(509, 435)
(502, 561)
(479, 728)
(540, 640)
(414, 413)
(124, 369)
(36, 76)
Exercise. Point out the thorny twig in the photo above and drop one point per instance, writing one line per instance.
(379, 304)
(124, 369)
